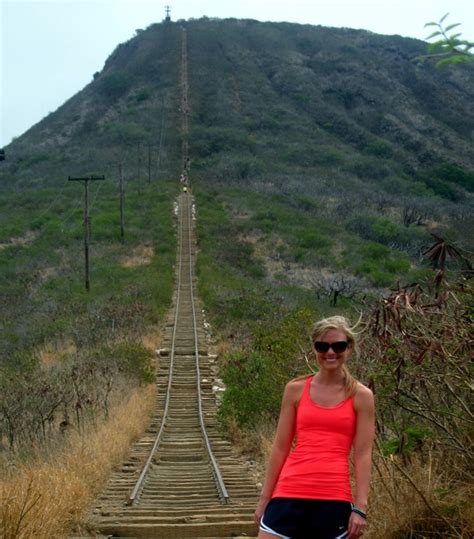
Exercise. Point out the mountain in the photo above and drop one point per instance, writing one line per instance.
(315, 153)
(271, 98)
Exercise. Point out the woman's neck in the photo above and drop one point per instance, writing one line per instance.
(330, 378)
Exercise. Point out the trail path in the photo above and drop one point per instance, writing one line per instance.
(182, 492)
(182, 478)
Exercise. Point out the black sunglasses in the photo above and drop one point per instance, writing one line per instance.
(338, 347)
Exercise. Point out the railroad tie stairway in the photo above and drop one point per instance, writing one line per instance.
(182, 478)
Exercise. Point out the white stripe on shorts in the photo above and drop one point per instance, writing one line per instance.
(345, 534)
(265, 528)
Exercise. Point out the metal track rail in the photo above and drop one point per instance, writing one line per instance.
(221, 489)
(223, 494)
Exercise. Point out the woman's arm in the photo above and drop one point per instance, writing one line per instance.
(362, 456)
(281, 444)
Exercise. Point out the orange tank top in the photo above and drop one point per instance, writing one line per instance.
(318, 466)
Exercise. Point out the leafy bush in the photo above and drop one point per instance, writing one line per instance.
(379, 264)
(255, 377)
(382, 229)
(114, 85)
(126, 133)
(455, 174)
(312, 239)
(379, 148)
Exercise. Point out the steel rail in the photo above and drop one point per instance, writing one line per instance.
(133, 496)
(221, 489)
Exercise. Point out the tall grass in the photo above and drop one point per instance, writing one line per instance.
(420, 498)
(49, 497)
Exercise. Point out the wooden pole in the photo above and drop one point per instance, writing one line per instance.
(87, 227)
(149, 163)
(122, 204)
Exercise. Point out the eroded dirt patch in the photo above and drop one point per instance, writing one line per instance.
(22, 241)
(140, 256)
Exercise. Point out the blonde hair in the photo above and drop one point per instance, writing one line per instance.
(340, 323)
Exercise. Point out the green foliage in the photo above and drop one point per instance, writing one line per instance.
(379, 264)
(255, 377)
(452, 173)
(205, 141)
(113, 85)
(312, 239)
(42, 278)
(131, 358)
(381, 229)
(449, 181)
(411, 439)
(379, 148)
(447, 49)
(144, 94)
(126, 133)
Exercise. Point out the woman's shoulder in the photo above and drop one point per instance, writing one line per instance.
(363, 396)
(298, 382)
(294, 388)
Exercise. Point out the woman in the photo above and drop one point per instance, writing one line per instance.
(307, 492)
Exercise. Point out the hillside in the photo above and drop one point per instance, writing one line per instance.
(326, 149)
(328, 152)
(324, 163)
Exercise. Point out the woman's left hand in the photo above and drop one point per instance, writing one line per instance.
(356, 526)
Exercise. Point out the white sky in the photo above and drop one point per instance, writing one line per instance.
(49, 50)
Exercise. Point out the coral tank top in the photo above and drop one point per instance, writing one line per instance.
(318, 466)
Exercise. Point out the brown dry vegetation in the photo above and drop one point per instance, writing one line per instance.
(140, 256)
(21, 241)
(50, 353)
(48, 497)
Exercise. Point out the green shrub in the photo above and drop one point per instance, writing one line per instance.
(379, 148)
(114, 85)
(311, 239)
(381, 265)
(255, 378)
(455, 174)
(382, 230)
(411, 439)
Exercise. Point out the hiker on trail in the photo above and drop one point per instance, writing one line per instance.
(307, 491)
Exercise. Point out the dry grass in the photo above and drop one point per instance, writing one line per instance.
(26, 239)
(152, 338)
(140, 256)
(421, 499)
(53, 352)
(46, 499)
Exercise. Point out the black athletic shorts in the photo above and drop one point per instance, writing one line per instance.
(295, 518)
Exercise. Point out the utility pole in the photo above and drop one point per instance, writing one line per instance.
(168, 11)
(122, 200)
(160, 145)
(150, 145)
(87, 233)
(149, 163)
(138, 161)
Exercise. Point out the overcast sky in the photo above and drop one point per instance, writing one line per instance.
(50, 49)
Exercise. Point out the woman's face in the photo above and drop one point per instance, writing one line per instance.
(331, 359)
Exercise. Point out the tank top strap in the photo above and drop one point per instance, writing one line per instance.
(305, 397)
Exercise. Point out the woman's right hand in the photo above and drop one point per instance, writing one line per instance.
(262, 504)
